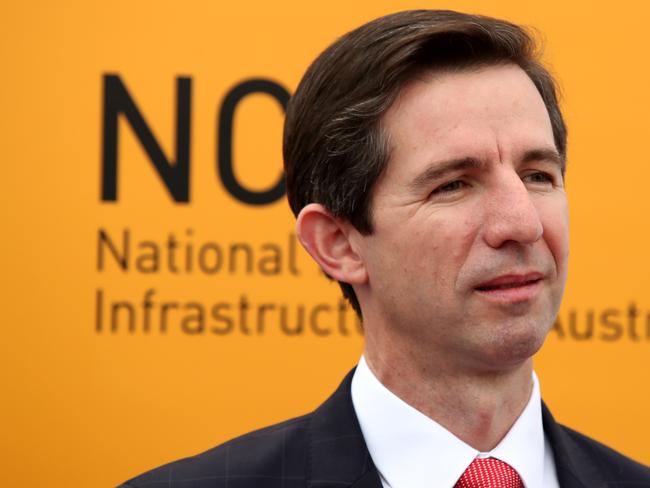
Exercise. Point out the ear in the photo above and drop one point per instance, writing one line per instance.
(327, 239)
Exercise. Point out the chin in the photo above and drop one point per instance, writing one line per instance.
(513, 344)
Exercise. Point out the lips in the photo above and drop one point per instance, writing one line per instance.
(510, 281)
(511, 288)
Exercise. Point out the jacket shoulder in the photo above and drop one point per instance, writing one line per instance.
(617, 467)
(268, 457)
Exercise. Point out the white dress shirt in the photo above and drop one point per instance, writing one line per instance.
(410, 450)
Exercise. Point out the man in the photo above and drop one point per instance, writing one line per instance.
(425, 156)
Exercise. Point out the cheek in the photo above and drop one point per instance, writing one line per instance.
(455, 237)
(555, 220)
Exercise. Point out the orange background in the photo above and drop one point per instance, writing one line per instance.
(81, 408)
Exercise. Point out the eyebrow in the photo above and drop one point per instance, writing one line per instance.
(543, 154)
(438, 170)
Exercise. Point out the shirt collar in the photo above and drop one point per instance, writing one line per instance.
(410, 450)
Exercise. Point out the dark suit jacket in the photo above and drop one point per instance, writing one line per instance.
(326, 449)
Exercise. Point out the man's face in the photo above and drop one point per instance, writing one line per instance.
(468, 257)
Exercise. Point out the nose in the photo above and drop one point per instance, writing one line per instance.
(510, 214)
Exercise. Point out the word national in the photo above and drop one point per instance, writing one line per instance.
(186, 255)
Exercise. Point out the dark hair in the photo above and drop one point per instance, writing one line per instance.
(334, 147)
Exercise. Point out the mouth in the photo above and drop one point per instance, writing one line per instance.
(512, 287)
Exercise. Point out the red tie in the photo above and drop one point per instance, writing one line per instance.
(489, 473)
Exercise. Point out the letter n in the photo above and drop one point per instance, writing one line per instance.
(175, 175)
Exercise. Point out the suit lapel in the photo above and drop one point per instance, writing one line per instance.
(338, 456)
(574, 468)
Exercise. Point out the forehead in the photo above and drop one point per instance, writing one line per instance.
(490, 113)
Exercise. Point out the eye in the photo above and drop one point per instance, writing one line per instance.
(450, 187)
(539, 178)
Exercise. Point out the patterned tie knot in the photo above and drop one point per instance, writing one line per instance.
(489, 473)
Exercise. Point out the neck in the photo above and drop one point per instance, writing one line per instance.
(478, 407)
